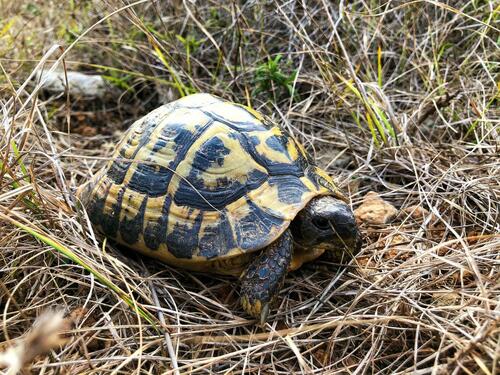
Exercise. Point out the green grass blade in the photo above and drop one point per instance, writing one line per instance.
(351, 87)
(377, 123)
(385, 121)
(379, 66)
(31, 205)
(356, 119)
(372, 129)
(76, 259)
(477, 121)
(21, 164)
(177, 82)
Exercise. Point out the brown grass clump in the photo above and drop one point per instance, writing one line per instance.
(399, 98)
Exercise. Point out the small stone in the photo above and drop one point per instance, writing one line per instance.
(79, 84)
(375, 210)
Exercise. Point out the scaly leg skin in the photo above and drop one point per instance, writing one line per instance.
(265, 276)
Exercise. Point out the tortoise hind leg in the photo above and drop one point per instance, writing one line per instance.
(264, 277)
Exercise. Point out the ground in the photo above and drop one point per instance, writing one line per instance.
(397, 100)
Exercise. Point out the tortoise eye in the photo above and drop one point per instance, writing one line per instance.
(321, 223)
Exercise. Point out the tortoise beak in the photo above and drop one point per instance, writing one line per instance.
(346, 228)
(347, 239)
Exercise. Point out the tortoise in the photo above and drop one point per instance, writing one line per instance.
(213, 186)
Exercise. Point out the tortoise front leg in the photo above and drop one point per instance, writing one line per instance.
(264, 277)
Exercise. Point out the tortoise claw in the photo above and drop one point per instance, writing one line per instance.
(264, 313)
(264, 277)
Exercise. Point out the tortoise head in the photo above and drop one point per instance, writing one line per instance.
(327, 222)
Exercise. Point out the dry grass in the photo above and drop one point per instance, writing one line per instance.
(395, 97)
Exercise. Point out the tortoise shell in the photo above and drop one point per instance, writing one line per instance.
(200, 179)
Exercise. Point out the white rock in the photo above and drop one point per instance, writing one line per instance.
(80, 84)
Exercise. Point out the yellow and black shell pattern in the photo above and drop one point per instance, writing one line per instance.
(202, 178)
